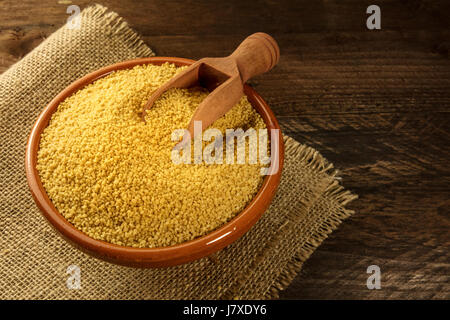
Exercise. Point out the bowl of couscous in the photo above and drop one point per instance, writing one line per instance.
(107, 182)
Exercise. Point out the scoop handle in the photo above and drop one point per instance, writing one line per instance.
(257, 54)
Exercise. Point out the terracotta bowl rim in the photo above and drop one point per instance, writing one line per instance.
(159, 256)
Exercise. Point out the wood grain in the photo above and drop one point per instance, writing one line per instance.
(375, 103)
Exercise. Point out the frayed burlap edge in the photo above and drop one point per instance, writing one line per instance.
(334, 192)
(116, 26)
(120, 28)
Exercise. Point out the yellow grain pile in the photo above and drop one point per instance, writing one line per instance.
(111, 175)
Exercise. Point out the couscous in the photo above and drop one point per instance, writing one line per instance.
(111, 175)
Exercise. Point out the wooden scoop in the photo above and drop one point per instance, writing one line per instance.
(223, 77)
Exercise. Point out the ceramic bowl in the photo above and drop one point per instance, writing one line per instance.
(149, 257)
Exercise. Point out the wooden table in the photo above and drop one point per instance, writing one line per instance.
(374, 102)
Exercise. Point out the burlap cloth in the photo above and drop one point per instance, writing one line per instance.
(34, 259)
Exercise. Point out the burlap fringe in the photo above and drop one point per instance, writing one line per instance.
(119, 28)
(334, 192)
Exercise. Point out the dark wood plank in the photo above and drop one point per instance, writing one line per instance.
(375, 103)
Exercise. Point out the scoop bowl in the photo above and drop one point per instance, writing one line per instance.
(150, 257)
